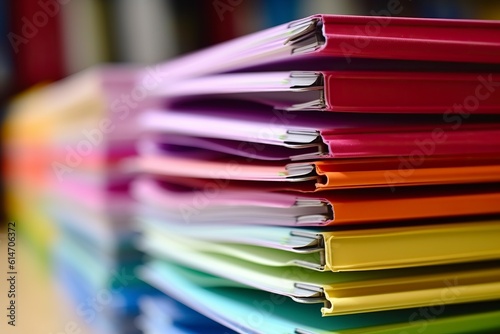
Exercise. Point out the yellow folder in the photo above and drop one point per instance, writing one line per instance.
(341, 292)
(343, 250)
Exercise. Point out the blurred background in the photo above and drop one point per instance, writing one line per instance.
(47, 40)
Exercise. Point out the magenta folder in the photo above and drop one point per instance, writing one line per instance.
(267, 135)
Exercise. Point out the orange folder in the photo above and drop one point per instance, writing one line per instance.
(328, 175)
(256, 206)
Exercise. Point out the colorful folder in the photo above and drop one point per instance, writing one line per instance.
(337, 250)
(341, 294)
(327, 175)
(328, 41)
(251, 310)
(264, 134)
(349, 161)
(452, 94)
(255, 206)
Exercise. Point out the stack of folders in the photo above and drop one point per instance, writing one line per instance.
(334, 174)
(67, 192)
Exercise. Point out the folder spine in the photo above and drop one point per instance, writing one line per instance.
(308, 38)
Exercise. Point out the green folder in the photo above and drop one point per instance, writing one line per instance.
(255, 311)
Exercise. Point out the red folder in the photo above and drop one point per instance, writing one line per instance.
(329, 42)
(351, 91)
(418, 92)
(409, 38)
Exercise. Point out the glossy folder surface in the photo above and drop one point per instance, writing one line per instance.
(256, 206)
(330, 36)
(234, 305)
(340, 91)
(350, 250)
(317, 169)
(325, 175)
